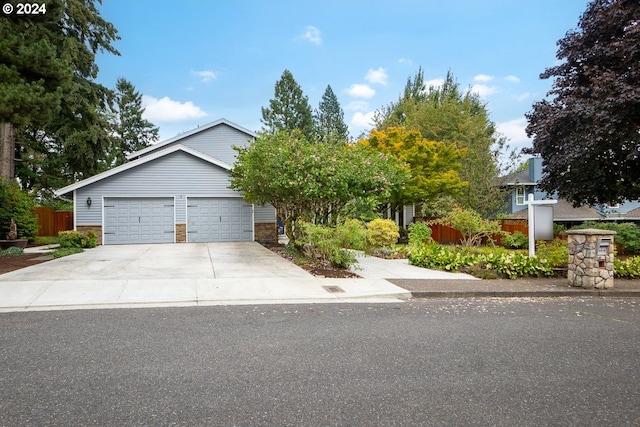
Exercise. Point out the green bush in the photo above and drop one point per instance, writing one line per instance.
(628, 234)
(515, 264)
(441, 258)
(322, 243)
(352, 234)
(627, 269)
(419, 233)
(62, 252)
(16, 204)
(76, 239)
(382, 232)
(517, 240)
(486, 263)
(556, 252)
(12, 251)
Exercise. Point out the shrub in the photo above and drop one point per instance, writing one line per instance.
(627, 269)
(12, 251)
(382, 232)
(419, 233)
(556, 252)
(515, 264)
(441, 258)
(62, 252)
(16, 204)
(352, 234)
(471, 225)
(76, 239)
(517, 240)
(322, 243)
(628, 234)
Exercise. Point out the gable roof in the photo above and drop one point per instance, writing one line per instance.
(140, 161)
(563, 210)
(517, 178)
(189, 133)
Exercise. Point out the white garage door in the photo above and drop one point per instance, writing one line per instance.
(138, 220)
(215, 219)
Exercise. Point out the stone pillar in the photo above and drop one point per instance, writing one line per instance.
(590, 258)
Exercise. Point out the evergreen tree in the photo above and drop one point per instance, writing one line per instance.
(329, 119)
(131, 132)
(48, 94)
(289, 109)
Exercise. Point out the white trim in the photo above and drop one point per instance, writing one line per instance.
(102, 222)
(524, 195)
(75, 212)
(138, 162)
(189, 133)
(186, 211)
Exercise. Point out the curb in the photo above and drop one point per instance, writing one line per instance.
(526, 294)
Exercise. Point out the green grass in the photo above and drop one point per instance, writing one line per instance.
(59, 253)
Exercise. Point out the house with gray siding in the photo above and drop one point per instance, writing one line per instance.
(175, 191)
(524, 182)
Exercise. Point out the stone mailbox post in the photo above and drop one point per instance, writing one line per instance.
(590, 258)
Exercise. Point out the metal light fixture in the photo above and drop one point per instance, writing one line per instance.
(89, 201)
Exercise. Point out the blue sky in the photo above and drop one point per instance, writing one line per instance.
(198, 61)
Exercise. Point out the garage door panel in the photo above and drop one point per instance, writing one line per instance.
(212, 219)
(139, 220)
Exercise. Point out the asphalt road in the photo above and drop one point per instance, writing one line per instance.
(504, 362)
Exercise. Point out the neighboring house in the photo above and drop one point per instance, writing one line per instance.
(525, 183)
(172, 192)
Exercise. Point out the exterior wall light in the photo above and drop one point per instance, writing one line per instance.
(88, 201)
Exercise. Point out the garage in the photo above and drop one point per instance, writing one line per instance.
(219, 219)
(130, 220)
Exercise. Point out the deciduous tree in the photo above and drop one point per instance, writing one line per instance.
(308, 181)
(433, 166)
(588, 131)
(446, 114)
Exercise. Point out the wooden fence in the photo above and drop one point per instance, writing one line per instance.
(447, 235)
(52, 222)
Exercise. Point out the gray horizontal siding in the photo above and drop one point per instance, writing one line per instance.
(216, 142)
(176, 174)
(264, 214)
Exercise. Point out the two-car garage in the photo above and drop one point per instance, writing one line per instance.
(133, 220)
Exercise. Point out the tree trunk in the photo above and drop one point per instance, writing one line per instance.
(7, 151)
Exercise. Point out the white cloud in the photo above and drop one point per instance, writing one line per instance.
(483, 90)
(362, 120)
(312, 34)
(483, 78)
(167, 110)
(206, 76)
(512, 79)
(361, 91)
(514, 130)
(357, 106)
(524, 96)
(405, 61)
(378, 76)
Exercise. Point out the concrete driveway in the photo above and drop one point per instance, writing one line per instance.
(239, 260)
(178, 275)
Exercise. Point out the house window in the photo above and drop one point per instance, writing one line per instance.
(520, 195)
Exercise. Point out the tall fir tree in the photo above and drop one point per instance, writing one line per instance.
(48, 95)
(289, 109)
(131, 132)
(329, 119)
